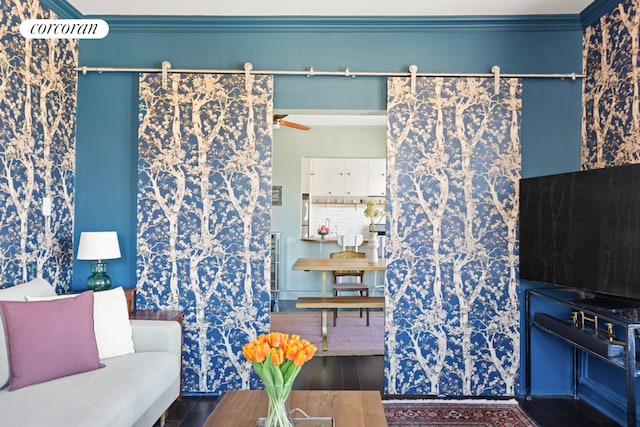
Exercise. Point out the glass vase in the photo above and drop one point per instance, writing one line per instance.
(278, 413)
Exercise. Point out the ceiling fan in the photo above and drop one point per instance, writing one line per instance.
(278, 119)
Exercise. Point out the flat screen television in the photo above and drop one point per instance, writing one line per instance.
(582, 229)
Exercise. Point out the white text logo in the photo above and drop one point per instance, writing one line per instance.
(64, 28)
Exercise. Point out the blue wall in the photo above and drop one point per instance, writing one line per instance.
(106, 169)
(107, 103)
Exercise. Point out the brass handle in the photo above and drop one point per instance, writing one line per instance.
(593, 320)
(610, 332)
(574, 318)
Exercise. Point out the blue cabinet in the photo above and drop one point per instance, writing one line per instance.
(599, 332)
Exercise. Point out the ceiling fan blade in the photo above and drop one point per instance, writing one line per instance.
(278, 117)
(293, 125)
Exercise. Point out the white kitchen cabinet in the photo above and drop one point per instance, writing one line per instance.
(326, 177)
(347, 177)
(356, 181)
(377, 178)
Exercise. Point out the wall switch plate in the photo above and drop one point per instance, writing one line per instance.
(46, 206)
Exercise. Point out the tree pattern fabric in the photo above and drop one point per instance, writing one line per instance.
(204, 216)
(37, 150)
(452, 313)
(611, 102)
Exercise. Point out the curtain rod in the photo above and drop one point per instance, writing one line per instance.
(312, 72)
(346, 72)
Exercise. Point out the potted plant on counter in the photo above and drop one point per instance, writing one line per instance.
(372, 213)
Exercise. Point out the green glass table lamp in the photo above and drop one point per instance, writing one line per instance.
(97, 246)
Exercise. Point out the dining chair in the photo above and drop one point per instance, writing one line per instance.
(354, 286)
(349, 241)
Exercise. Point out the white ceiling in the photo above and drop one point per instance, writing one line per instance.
(329, 7)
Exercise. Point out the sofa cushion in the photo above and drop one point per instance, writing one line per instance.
(131, 390)
(110, 321)
(49, 339)
(36, 287)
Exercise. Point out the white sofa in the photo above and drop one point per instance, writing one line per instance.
(131, 390)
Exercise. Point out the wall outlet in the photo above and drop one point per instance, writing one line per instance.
(46, 206)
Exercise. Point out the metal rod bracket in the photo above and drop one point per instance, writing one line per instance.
(248, 66)
(496, 79)
(413, 69)
(166, 65)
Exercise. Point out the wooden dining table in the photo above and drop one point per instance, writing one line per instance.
(337, 264)
(325, 302)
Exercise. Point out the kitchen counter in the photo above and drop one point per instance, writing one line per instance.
(319, 240)
(327, 240)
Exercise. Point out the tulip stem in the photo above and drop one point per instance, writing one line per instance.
(278, 415)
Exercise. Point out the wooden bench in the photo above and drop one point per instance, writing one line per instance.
(327, 303)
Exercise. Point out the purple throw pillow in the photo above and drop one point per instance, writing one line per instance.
(49, 339)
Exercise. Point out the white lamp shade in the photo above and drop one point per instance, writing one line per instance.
(98, 245)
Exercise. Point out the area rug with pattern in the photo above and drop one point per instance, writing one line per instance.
(456, 413)
(350, 337)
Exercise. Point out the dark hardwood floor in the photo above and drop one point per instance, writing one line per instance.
(366, 373)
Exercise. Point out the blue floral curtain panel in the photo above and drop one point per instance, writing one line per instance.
(204, 189)
(452, 315)
(37, 150)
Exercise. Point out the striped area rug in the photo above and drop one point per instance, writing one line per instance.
(350, 337)
(456, 413)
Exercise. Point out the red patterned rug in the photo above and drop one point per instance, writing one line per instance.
(450, 413)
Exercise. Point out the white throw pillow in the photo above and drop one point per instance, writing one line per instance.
(111, 324)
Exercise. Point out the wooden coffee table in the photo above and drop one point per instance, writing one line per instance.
(242, 408)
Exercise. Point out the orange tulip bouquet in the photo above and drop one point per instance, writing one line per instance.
(277, 359)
